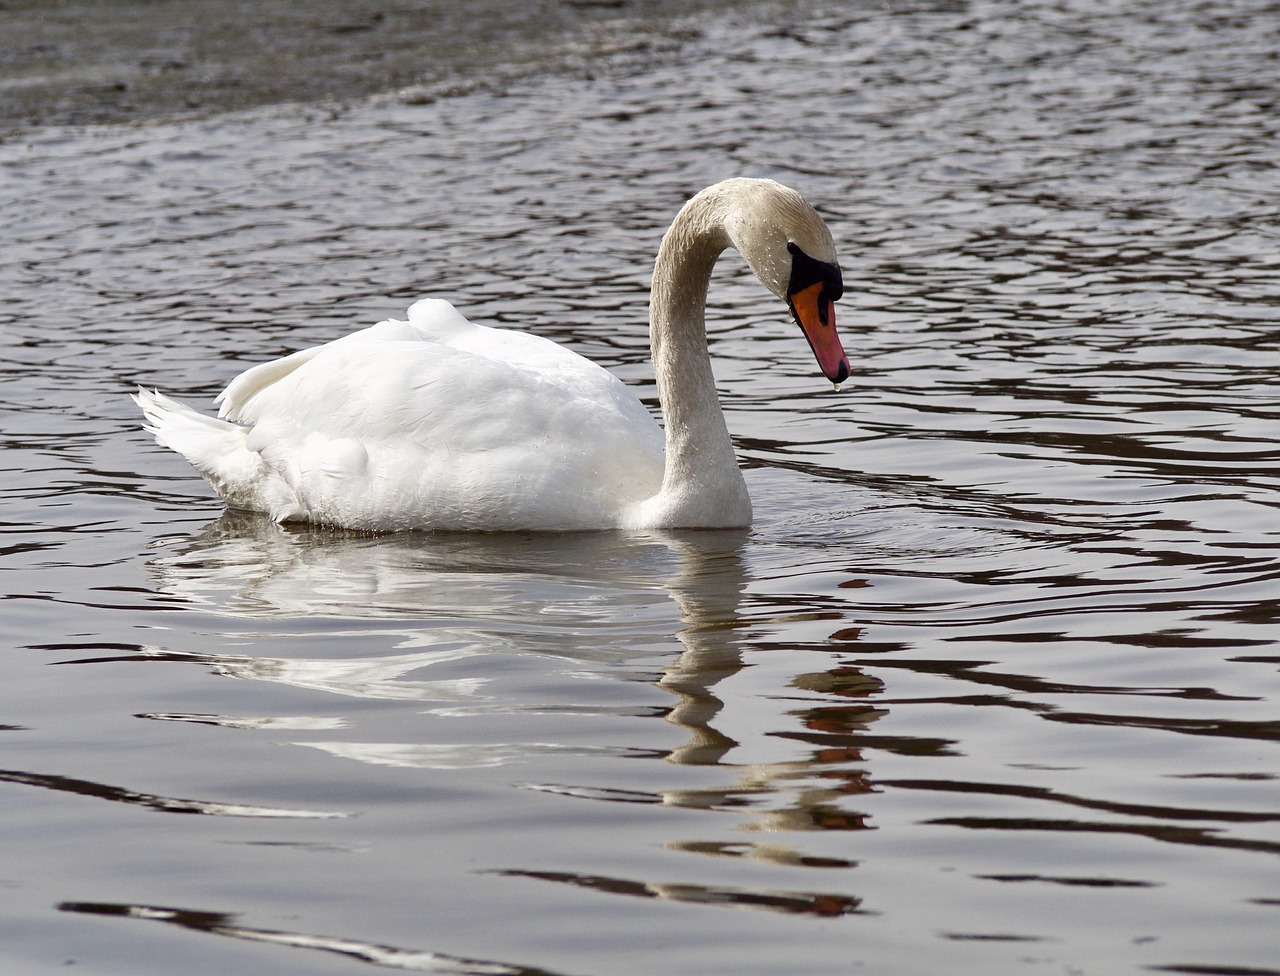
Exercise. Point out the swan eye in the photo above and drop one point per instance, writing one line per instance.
(807, 272)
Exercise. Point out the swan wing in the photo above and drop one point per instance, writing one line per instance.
(439, 423)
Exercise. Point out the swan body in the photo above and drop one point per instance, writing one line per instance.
(438, 423)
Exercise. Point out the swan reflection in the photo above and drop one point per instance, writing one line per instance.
(246, 565)
(597, 604)
(360, 677)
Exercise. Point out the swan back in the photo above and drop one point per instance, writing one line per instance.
(436, 423)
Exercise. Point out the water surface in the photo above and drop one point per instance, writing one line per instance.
(991, 684)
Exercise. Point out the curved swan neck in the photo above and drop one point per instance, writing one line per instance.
(702, 484)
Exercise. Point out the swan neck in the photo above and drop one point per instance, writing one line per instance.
(701, 468)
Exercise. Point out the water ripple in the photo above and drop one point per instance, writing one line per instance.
(1011, 598)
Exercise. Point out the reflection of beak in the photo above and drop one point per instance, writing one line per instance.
(816, 314)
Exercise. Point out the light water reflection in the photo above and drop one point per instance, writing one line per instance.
(460, 596)
(472, 592)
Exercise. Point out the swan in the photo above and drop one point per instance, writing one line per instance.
(437, 423)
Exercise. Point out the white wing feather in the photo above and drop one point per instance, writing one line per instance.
(430, 423)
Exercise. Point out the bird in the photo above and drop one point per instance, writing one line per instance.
(436, 423)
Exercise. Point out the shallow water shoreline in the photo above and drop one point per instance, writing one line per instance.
(98, 61)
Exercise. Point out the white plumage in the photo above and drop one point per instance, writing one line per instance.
(437, 423)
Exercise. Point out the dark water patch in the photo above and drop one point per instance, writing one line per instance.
(786, 902)
(1071, 882)
(164, 804)
(227, 925)
(1211, 970)
(1166, 834)
(1053, 796)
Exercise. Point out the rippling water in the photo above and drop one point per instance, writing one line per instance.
(991, 685)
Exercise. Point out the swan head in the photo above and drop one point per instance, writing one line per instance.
(791, 251)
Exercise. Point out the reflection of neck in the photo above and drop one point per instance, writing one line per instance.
(708, 590)
(702, 475)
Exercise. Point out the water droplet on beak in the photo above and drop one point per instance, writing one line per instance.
(837, 386)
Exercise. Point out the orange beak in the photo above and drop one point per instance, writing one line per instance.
(816, 315)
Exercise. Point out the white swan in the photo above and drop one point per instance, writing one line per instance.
(436, 423)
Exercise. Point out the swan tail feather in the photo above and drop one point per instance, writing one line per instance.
(235, 398)
(217, 449)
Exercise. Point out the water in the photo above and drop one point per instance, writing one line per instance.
(991, 684)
